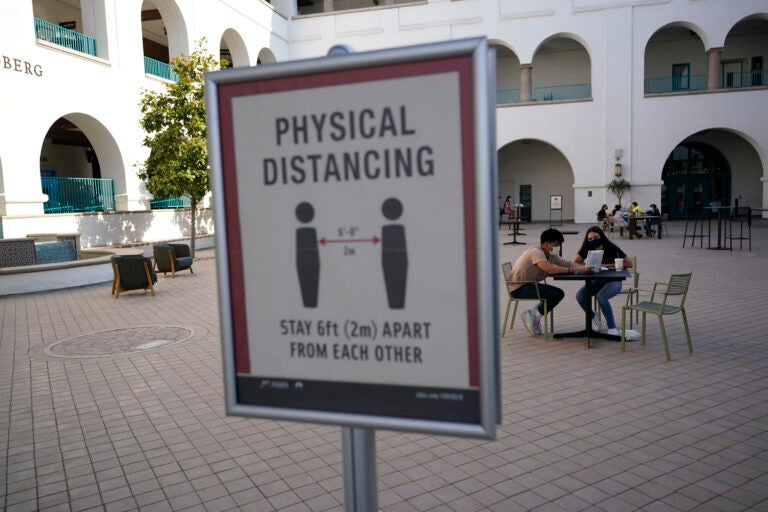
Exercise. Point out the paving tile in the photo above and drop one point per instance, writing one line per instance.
(582, 429)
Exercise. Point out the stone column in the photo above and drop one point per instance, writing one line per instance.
(714, 75)
(526, 88)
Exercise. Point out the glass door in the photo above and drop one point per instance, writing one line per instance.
(681, 77)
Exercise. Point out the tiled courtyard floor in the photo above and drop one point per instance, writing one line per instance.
(88, 424)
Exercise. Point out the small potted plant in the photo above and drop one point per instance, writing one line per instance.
(619, 186)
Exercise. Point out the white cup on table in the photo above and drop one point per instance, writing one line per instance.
(619, 263)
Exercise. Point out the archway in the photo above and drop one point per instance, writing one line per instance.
(531, 171)
(164, 36)
(266, 56)
(81, 168)
(741, 63)
(713, 167)
(507, 74)
(232, 49)
(561, 69)
(675, 60)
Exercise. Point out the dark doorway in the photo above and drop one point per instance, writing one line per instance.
(695, 175)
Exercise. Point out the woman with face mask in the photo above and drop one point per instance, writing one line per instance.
(603, 290)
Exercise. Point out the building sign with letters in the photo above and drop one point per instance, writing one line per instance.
(353, 234)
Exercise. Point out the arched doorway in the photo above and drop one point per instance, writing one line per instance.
(531, 171)
(695, 175)
(81, 169)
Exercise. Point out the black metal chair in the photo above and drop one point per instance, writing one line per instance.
(741, 217)
(132, 272)
(172, 258)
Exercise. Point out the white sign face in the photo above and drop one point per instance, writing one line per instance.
(348, 239)
(355, 202)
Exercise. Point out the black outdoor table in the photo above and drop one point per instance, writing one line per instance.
(588, 332)
(516, 230)
(720, 235)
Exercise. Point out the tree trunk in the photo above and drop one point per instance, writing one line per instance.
(192, 226)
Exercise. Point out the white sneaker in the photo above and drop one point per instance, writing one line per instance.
(629, 334)
(532, 325)
(537, 325)
(596, 324)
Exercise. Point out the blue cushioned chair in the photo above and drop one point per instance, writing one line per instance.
(172, 258)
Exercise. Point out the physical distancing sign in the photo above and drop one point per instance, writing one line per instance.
(353, 202)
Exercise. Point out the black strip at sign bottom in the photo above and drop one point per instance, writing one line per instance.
(439, 404)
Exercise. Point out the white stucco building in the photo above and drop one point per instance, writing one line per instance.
(673, 90)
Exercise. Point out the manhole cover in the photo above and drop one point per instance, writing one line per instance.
(118, 341)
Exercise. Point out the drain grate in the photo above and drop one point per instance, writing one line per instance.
(118, 341)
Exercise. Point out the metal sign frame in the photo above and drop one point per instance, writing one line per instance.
(363, 405)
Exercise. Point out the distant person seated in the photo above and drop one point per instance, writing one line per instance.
(602, 217)
(636, 210)
(651, 223)
(619, 220)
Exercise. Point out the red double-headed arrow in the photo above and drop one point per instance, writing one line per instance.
(373, 241)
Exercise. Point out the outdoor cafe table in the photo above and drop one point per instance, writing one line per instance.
(588, 332)
(720, 235)
(633, 224)
(516, 231)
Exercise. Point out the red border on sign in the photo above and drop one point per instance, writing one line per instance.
(227, 92)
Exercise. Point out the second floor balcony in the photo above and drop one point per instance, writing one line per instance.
(664, 84)
(756, 78)
(680, 84)
(64, 37)
(563, 92)
(161, 69)
(69, 195)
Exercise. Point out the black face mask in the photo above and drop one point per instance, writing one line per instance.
(594, 244)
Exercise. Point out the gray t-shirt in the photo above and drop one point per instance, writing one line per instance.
(526, 267)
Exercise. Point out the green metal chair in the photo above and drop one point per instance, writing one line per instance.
(506, 270)
(665, 299)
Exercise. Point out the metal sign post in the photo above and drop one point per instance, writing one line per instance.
(342, 300)
(359, 452)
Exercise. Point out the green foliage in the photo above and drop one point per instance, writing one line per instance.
(174, 123)
(619, 186)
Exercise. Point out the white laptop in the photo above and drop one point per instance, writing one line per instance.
(594, 260)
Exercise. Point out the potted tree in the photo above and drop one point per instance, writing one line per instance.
(619, 186)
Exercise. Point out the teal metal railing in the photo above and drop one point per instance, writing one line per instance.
(171, 202)
(562, 92)
(68, 195)
(547, 93)
(65, 37)
(161, 69)
(507, 96)
(745, 79)
(675, 84)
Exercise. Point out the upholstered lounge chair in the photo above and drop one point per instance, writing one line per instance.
(132, 272)
(172, 258)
